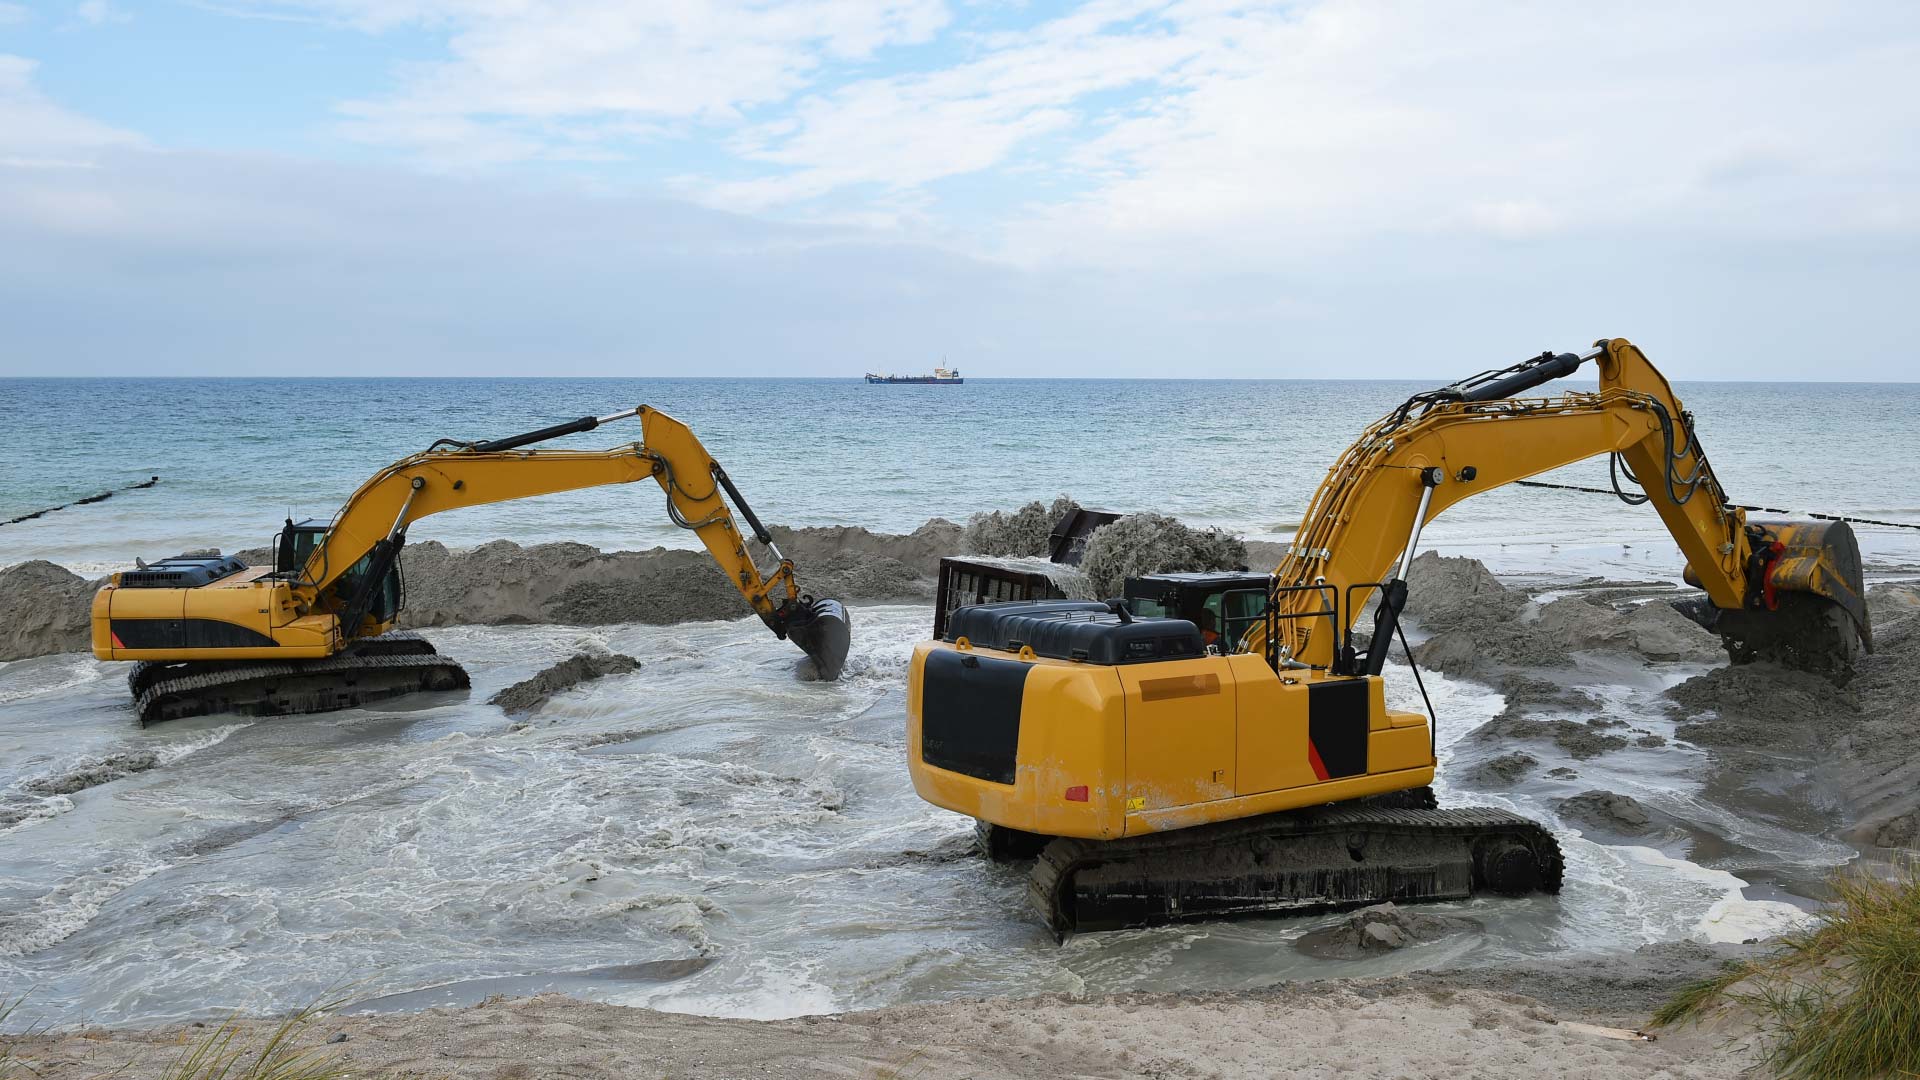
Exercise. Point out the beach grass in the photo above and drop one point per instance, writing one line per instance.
(228, 1051)
(10, 1065)
(1840, 1000)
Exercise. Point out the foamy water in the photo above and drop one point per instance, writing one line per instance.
(708, 808)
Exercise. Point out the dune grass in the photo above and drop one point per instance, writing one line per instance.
(1839, 1001)
(10, 1065)
(226, 1051)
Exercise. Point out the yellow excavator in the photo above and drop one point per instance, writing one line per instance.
(314, 632)
(1155, 777)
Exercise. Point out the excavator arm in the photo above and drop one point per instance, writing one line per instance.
(338, 580)
(1785, 590)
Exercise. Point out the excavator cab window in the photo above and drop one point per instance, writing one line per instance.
(294, 545)
(1227, 602)
(1143, 608)
(1239, 610)
(387, 598)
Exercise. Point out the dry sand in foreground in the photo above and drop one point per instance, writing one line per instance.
(1386, 1028)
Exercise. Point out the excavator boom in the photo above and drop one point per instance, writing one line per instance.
(1775, 589)
(320, 619)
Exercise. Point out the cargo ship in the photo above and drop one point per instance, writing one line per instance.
(940, 377)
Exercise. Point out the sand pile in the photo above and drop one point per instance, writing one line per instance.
(1381, 928)
(1479, 625)
(528, 695)
(505, 583)
(43, 609)
(94, 773)
(502, 582)
(1448, 593)
(1154, 544)
(920, 550)
(1608, 812)
(1856, 741)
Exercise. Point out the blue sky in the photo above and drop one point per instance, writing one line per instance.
(821, 187)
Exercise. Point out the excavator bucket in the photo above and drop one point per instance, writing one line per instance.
(1812, 612)
(823, 630)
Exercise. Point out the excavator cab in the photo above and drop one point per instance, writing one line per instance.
(1224, 604)
(295, 545)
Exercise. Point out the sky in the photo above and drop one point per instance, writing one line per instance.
(1193, 188)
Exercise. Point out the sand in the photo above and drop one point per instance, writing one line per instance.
(529, 695)
(1771, 731)
(43, 609)
(1418, 1026)
(1480, 627)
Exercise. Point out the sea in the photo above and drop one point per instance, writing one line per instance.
(711, 834)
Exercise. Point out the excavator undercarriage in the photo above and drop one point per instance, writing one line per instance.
(391, 665)
(1329, 858)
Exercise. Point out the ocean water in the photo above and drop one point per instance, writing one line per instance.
(236, 456)
(710, 834)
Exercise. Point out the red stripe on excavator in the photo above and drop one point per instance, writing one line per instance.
(1313, 759)
(1766, 576)
(117, 643)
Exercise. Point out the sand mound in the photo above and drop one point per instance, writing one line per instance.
(528, 695)
(1607, 812)
(920, 550)
(1380, 928)
(94, 773)
(1505, 770)
(43, 609)
(1155, 544)
(502, 582)
(1580, 741)
(1021, 532)
(1480, 625)
(1445, 593)
(872, 577)
(1858, 739)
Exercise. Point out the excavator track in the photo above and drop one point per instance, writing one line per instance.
(146, 673)
(1297, 862)
(388, 666)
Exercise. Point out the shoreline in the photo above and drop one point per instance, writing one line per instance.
(1577, 1013)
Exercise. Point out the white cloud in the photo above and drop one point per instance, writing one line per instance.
(904, 131)
(99, 13)
(13, 14)
(1293, 134)
(36, 133)
(1130, 129)
(537, 78)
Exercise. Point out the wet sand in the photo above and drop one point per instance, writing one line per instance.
(1490, 1023)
